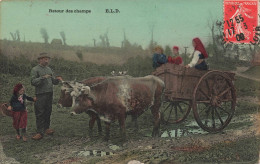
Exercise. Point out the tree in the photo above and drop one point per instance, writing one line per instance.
(152, 43)
(214, 44)
(225, 46)
(125, 43)
(15, 36)
(253, 49)
(219, 47)
(44, 35)
(103, 42)
(18, 35)
(236, 49)
(167, 50)
(106, 40)
(62, 34)
(94, 40)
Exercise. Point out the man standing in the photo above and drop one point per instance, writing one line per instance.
(43, 79)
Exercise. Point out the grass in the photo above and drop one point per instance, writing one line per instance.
(253, 71)
(25, 152)
(245, 87)
(243, 151)
(246, 108)
(66, 128)
(69, 128)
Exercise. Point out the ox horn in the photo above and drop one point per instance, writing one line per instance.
(66, 84)
(86, 90)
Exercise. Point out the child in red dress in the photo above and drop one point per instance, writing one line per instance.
(176, 59)
(19, 112)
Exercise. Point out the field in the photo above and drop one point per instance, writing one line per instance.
(98, 55)
(71, 142)
(178, 143)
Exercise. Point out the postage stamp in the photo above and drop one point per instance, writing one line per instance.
(155, 81)
(241, 21)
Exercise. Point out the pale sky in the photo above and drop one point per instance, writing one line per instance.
(176, 22)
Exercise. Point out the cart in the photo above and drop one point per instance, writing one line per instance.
(210, 94)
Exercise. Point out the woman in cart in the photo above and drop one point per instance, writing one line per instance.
(199, 56)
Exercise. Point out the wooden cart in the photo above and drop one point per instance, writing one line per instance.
(210, 94)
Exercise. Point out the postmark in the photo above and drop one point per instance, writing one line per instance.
(240, 21)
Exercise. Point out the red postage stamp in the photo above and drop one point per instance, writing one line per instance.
(240, 21)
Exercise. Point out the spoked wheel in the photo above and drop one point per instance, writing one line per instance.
(175, 111)
(214, 101)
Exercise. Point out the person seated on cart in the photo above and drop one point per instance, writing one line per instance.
(158, 57)
(199, 56)
(176, 59)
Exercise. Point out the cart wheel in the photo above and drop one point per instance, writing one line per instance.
(175, 111)
(214, 101)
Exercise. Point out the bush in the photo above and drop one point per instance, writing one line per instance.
(70, 70)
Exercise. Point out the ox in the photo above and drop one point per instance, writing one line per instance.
(114, 97)
(68, 96)
(67, 99)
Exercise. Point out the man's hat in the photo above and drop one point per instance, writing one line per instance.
(43, 55)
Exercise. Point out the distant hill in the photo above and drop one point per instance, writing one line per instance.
(97, 55)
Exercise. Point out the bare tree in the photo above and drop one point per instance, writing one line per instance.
(107, 40)
(62, 34)
(211, 25)
(219, 37)
(254, 49)
(45, 35)
(219, 47)
(13, 35)
(18, 35)
(168, 50)
(94, 40)
(152, 43)
(103, 42)
(125, 43)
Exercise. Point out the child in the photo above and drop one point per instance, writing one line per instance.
(19, 112)
(199, 55)
(176, 59)
(158, 57)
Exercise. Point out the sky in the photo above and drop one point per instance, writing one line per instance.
(174, 22)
